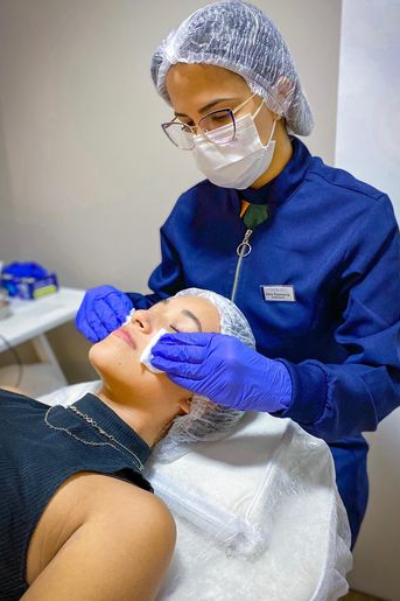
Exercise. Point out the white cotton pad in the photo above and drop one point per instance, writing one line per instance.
(147, 356)
(129, 317)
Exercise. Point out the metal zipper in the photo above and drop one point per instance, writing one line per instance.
(243, 250)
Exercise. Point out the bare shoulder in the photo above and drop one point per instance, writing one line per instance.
(89, 497)
(14, 389)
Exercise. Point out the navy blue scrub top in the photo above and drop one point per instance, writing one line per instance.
(40, 447)
(335, 240)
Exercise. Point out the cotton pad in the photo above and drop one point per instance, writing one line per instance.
(147, 356)
(129, 316)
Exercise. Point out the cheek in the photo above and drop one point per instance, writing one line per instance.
(121, 370)
(169, 389)
(110, 358)
(119, 367)
(155, 386)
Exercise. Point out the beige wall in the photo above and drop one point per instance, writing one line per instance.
(8, 239)
(86, 176)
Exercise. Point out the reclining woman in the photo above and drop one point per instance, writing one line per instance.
(72, 524)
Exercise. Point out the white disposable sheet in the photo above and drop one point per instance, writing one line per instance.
(258, 514)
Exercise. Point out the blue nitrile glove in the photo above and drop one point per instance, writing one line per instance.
(225, 370)
(103, 310)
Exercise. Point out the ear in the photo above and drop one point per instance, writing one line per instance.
(184, 405)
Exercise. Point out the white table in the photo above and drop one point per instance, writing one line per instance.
(30, 320)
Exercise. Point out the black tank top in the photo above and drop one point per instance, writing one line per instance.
(40, 447)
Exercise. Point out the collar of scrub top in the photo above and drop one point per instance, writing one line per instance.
(106, 419)
(275, 192)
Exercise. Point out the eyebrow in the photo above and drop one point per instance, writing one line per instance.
(193, 317)
(208, 106)
(187, 313)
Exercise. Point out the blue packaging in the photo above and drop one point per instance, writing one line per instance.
(29, 288)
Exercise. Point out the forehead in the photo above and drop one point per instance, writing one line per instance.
(193, 81)
(210, 74)
(201, 308)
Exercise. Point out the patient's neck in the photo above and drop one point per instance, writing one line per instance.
(151, 426)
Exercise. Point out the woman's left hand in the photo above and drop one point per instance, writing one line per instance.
(225, 370)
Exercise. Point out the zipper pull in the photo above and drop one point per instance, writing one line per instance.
(244, 247)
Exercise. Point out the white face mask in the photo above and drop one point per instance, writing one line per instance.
(238, 163)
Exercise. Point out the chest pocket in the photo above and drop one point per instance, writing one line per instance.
(293, 311)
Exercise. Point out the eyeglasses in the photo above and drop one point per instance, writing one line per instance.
(182, 135)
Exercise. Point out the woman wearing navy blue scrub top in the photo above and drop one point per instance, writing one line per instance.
(310, 254)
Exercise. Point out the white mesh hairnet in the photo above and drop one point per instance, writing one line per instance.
(206, 420)
(238, 36)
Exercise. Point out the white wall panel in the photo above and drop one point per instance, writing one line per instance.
(368, 145)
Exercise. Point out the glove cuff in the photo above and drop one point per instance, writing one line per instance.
(309, 392)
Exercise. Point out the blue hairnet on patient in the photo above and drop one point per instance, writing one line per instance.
(238, 36)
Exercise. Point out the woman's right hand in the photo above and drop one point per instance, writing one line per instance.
(103, 310)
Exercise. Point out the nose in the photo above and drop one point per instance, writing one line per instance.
(141, 319)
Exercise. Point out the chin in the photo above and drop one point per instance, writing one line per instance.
(102, 356)
(119, 368)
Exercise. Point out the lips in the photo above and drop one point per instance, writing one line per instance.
(125, 336)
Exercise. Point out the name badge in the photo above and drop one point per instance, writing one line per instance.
(278, 293)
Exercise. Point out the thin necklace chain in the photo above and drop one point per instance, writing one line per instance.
(92, 422)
